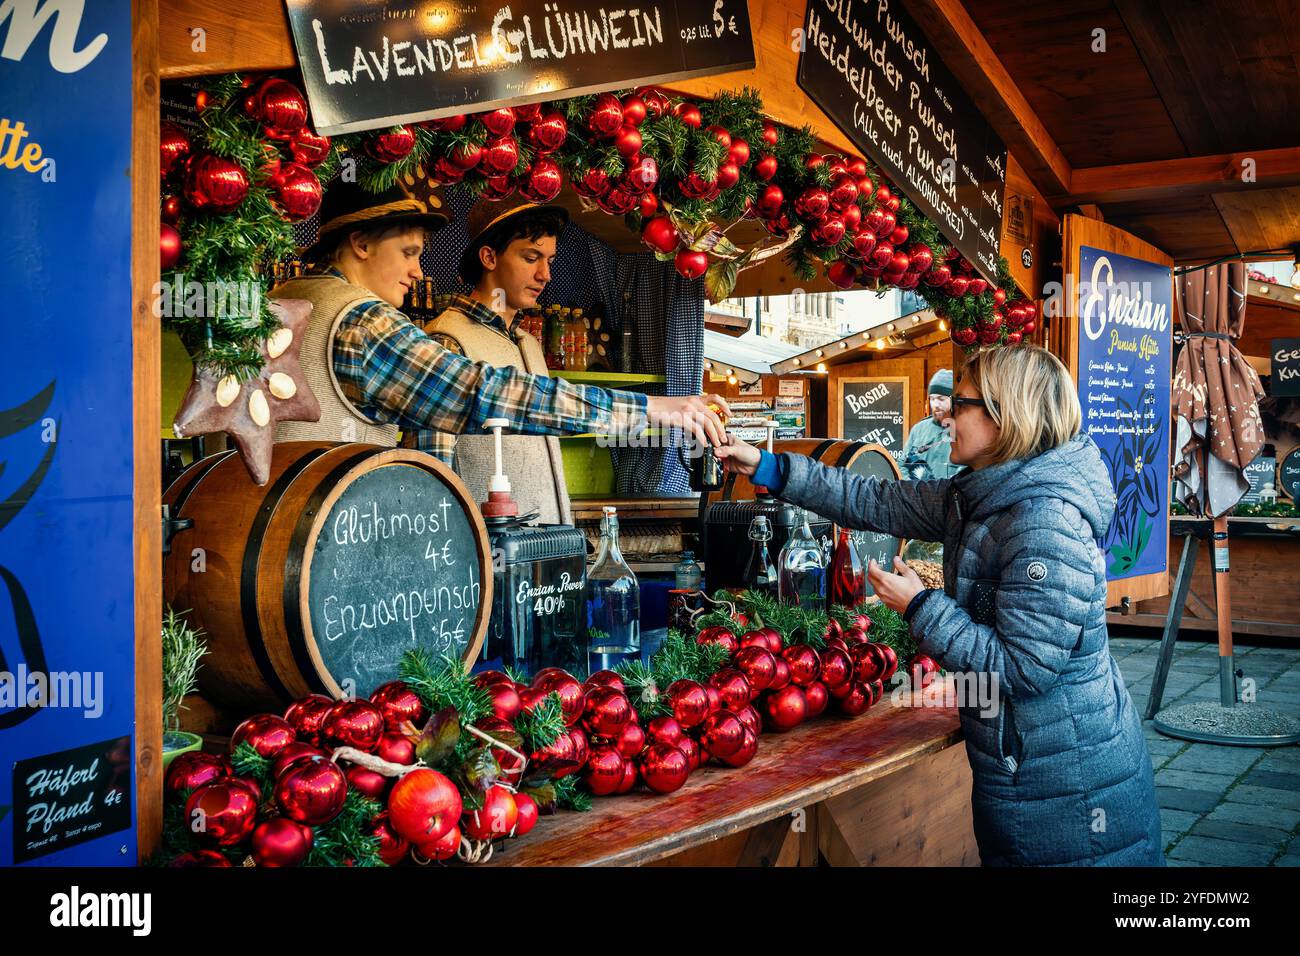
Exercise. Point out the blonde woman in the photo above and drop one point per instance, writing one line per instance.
(1061, 772)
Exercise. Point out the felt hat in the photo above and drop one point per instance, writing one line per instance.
(413, 199)
(488, 219)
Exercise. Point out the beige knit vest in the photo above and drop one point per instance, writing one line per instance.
(331, 298)
(532, 462)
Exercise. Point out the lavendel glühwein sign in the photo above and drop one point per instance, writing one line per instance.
(378, 64)
(869, 67)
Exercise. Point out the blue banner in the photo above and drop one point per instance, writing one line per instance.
(67, 646)
(1125, 318)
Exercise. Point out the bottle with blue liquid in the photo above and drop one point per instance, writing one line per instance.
(613, 599)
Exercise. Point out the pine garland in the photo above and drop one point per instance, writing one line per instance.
(442, 682)
(541, 726)
(347, 839)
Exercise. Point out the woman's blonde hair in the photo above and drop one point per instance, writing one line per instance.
(1030, 395)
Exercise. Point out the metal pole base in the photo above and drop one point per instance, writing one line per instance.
(1245, 725)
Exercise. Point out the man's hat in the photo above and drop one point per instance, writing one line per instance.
(941, 382)
(487, 220)
(415, 199)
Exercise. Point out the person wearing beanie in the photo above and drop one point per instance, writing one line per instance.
(928, 445)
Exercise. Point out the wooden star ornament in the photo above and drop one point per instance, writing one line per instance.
(248, 412)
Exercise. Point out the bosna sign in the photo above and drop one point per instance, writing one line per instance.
(379, 64)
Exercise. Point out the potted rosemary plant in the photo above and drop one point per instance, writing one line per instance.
(182, 649)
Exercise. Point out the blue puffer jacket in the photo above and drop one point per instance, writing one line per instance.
(1062, 776)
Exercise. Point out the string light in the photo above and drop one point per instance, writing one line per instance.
(943, 326)
(821, 366)
(880, 344)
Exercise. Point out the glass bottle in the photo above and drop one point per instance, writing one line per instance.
(760, 573)
(554, 338)
(848, 584)
(688, 573)
(802, 568)
(613, 600)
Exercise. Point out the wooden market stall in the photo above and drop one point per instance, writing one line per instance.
(1122, 139)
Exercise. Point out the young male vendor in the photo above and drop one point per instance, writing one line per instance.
(374, 372)
(508, 263)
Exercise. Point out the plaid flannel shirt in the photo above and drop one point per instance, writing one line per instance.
(394, 373)
(443, 444)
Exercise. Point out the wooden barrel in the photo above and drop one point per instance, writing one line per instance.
(318, 581)
(861, 458)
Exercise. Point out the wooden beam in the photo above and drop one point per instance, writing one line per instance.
(1193, 175)
(970, 58)
(146, 372)
(245, 36)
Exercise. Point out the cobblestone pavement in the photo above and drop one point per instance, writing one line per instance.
(1221, 805)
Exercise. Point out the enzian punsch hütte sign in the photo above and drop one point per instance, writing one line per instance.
(370, 65)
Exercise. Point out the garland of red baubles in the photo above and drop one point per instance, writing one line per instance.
(877, 253)
(763, 683)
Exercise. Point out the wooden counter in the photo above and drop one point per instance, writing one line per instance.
(889, 788)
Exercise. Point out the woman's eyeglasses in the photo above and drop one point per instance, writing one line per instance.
(958, 401)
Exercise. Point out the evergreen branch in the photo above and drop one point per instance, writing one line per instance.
(568, 796)
(442, 683)
(541, 726)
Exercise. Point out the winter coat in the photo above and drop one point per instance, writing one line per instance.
(1061, 772)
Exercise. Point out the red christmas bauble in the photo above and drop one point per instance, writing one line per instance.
(606, 117)
(722, 733)
(977, 286)
(604, 771)
(766, 167)
(769, 202)
(200, 858)
(899, 262)
(496, 188)
(395, 748)
(964, 337)
(299, 192)
(663, 730)
(353, 723)
(739, 152)
(558, 757)
(442, 848)
(607, 712)
(734, 689)
(630, 777)
(510, 764)
(392, 846)
(812, 161)
(748, 748)
(592, 183)
(854, 702)
(783, 676)
(526, 814)
(270, 168)
(899, 235)
(715, 699)
(922, 256)
(999, 297)
(656, 103)
(572, 697)
(308, 148)
(691, 265)
(500, 156)
(867, 663)
(957, 286)
(771, 135)
(828, 232)
(465, 155)
(664, 768)
(634, 110)
(548, 133)
(689, 114)
(367, 782)
(837, 668)
(844, 191)
(449, 124)
(778, 226)
(267, 733)
(498, 121)
(169, 246)
(689, 702)
(214, 184)
(648, 205)
(852, 216)
(423, 805)
(492, 821)
(938, 276)
(391, 146)
(785, 708)
(446, 172)
(306, 714)
(175, 146)
(505, 701)
(1014, 338)
(581, 745)
(757, 664)
(281, 842)
(886, 226)
(280, 107)
(618, 201)
(694, 753)
(290, 753)
(189, 771)
(632, 739)
(751, 719)
(812, 204)
(728, 175)
(528, 113)
(717, 634)
(606, 679)
(816, 698)
(628, 140)
(643, 174)
(881, 255)
(841, 274)
(171, 210)
(311, 791)
(221, 813)
(400, 704)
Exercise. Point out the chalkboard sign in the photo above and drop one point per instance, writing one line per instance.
(394, 61)
(876, 76)
(874, 410)
(65, 798)
(1288, 476)
(396, 565)
(1260, 472)
(872, 545)
(1284, 379)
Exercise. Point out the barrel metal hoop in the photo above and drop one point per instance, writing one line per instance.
(294, 623)
(249, 574)
(822, 448)
(205, 466)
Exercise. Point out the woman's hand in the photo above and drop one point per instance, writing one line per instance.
(895, 590)
(738, 457)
